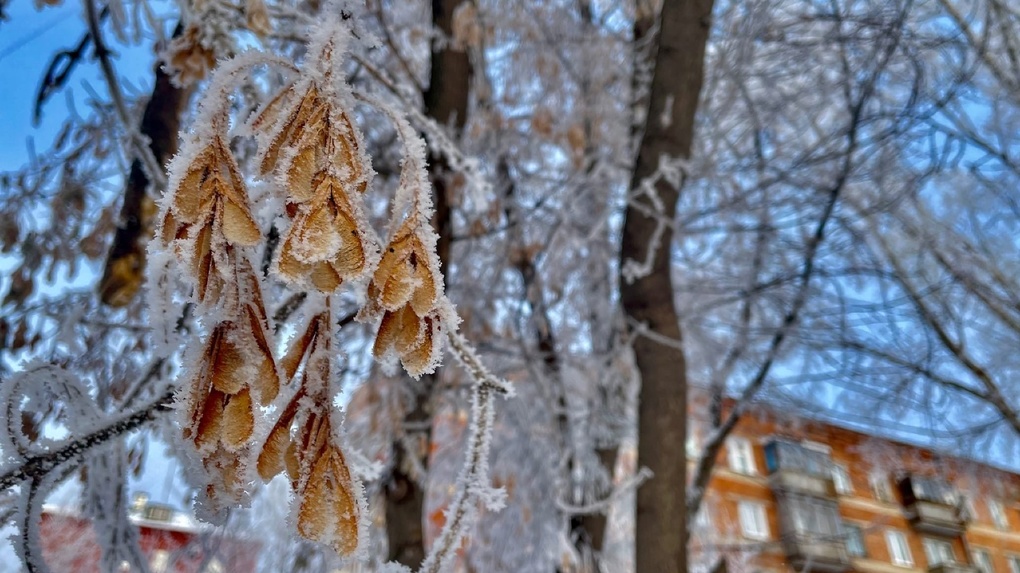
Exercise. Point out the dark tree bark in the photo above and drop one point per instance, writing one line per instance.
(648, 300)
(446, 101)
(125, 264)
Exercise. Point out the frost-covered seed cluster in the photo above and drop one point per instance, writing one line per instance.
(245, 413)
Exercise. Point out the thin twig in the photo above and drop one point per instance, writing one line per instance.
(38, 466)
(139, 142)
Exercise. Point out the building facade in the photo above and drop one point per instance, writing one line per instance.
(170, 541)
(794, 495)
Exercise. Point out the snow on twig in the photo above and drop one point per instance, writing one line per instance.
(473, 482)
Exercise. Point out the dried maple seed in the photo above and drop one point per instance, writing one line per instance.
(209, 213)
(323, 177)
(304, 444)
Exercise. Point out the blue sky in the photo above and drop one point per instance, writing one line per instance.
(28, 41)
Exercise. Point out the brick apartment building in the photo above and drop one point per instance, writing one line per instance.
(171, 542)
(798, 495)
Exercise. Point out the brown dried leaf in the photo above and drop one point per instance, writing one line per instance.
(204, 266)
(399, 331)
(210, 419)
(273, 459)
(396, 251)
(397, 289)
(267, 382)
(298, 350)
(418, 360)
(188, 57)
(169, 229)
(228, 375)
(423, 301)
(287, 264)
(238, 419)
(315, 235)
(404, 275)
(270, 112)
(290, 130)
(257, 18)
(324, 277)
(328, 512)
(193, 199)
(350, 259)
(239, 227)
(302, 170)
(292, 462)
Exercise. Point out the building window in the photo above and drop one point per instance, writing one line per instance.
(969, 508)
(841, 479)
(998, 513)
(753, 520)
(741, 456)
(814, 517)
(854, 540)
(804, 458)
(1014, 564)
(933, 490)
(938, 552)
(879, 484)
(983, 561)
(899, 551)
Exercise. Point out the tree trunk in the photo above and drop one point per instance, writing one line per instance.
(124, 270)
(648, 300)
(446, 101)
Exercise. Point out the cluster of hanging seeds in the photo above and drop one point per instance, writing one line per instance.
(244, 413)
(407, 287)
(303, 443)
(315, 152)
(208, 222)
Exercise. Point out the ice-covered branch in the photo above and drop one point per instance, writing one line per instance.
(439, 140)
(602, 506)
(473, 482)
(38, 466)
(670, 171)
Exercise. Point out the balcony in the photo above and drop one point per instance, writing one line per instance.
(811, 531)
(819, 555)
(794, 468)
(952, 567)
(932, 506)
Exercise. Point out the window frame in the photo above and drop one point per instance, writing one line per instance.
(758, 517)
(881, 488)
(970, 507)
(815, 518)
(975, 552)
(907, 559)
(1014, 563)
(841, 479)
(856, 532)
(739, 447)
(997, 511)
(938, 551)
